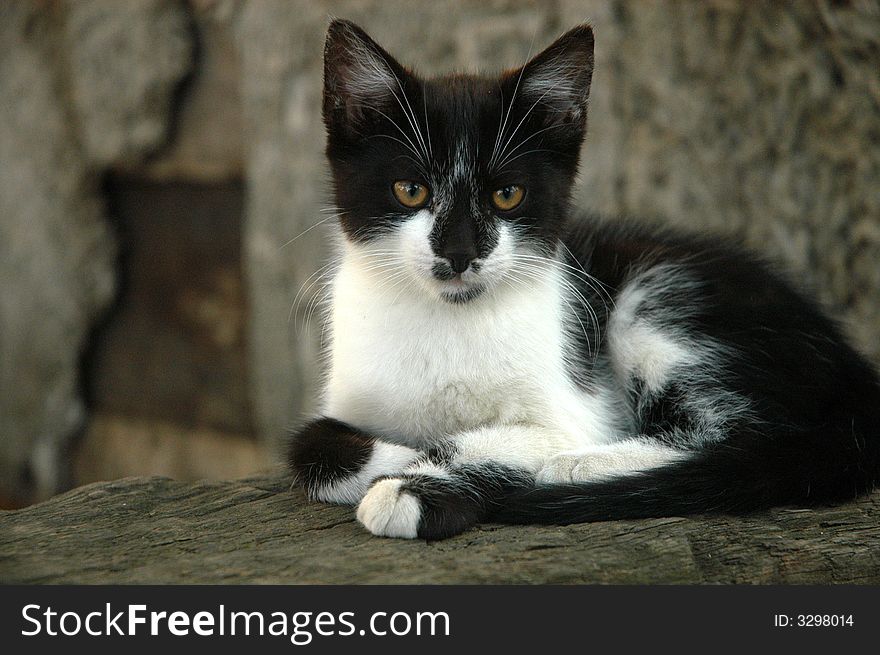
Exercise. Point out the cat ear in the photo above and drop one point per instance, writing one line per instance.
(358, 76)
(558, 79)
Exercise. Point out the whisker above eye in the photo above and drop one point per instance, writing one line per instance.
(409, 144)
(409, 115)
(508, 160)
(427, 125)
(519, 125)
(502, 126)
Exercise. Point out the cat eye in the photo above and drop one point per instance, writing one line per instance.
(508, 197)
(411, 194)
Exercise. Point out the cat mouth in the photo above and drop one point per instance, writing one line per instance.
(458, 292)
(460, 297)
(457, 288)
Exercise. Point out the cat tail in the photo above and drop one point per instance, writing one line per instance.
(745, 473)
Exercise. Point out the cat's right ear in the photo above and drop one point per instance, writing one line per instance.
(558, 79)
(360, 79)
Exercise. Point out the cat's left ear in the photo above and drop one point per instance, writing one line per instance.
(558, 79)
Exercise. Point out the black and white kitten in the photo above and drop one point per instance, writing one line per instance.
(493, 359)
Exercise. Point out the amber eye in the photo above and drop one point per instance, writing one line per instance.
(508, 197)
(411, 194)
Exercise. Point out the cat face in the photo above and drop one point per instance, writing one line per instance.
(456, 178)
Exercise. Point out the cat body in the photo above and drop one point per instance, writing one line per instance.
(492, 356)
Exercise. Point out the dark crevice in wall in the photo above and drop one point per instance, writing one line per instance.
(96, 331)
(174, 349)
(183, 89)
(170, 350)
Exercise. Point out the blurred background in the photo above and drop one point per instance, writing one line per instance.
(158, 156)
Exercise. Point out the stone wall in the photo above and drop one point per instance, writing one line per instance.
(758, 119)
(761, 119)
(82, 85)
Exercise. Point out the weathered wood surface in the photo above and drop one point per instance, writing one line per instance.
(156, 530)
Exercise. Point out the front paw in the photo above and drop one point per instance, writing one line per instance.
(431, 503)
(605, 462)
(325, 455)
(567, 468)
(336, 463)
(387, 510)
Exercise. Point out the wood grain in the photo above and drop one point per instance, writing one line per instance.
(156, 530)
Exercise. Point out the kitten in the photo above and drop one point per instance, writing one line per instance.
(494, 358)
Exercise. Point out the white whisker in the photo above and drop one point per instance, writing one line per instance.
(502, 127)
(310, 228)
(523, 120)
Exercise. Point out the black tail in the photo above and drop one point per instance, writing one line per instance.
(746, 473)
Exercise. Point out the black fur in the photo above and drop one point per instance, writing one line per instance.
(467, 497)
(327, 450)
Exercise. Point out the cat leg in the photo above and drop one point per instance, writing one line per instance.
(604, 461)
(336, 462)
(458, 484)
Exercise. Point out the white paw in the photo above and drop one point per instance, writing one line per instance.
(605, 462)
(386, 459)
(347, 491)
(559, 469)
(387, 512)
(579, 467)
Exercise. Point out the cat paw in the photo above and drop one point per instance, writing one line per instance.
(565, 469)
(570, 468)
(388, 511)
(606, 462)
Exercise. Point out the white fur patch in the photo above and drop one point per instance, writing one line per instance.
(641, 348)
(425, 467)
(653, 348)
(416, 255)
(607, 461)
(414, 369)
(387, 512)
(464, 173)
(519, 447)
(386, 459)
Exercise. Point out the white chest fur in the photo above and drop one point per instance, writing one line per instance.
(413, 369)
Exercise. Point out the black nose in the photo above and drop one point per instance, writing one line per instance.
(459, 261)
